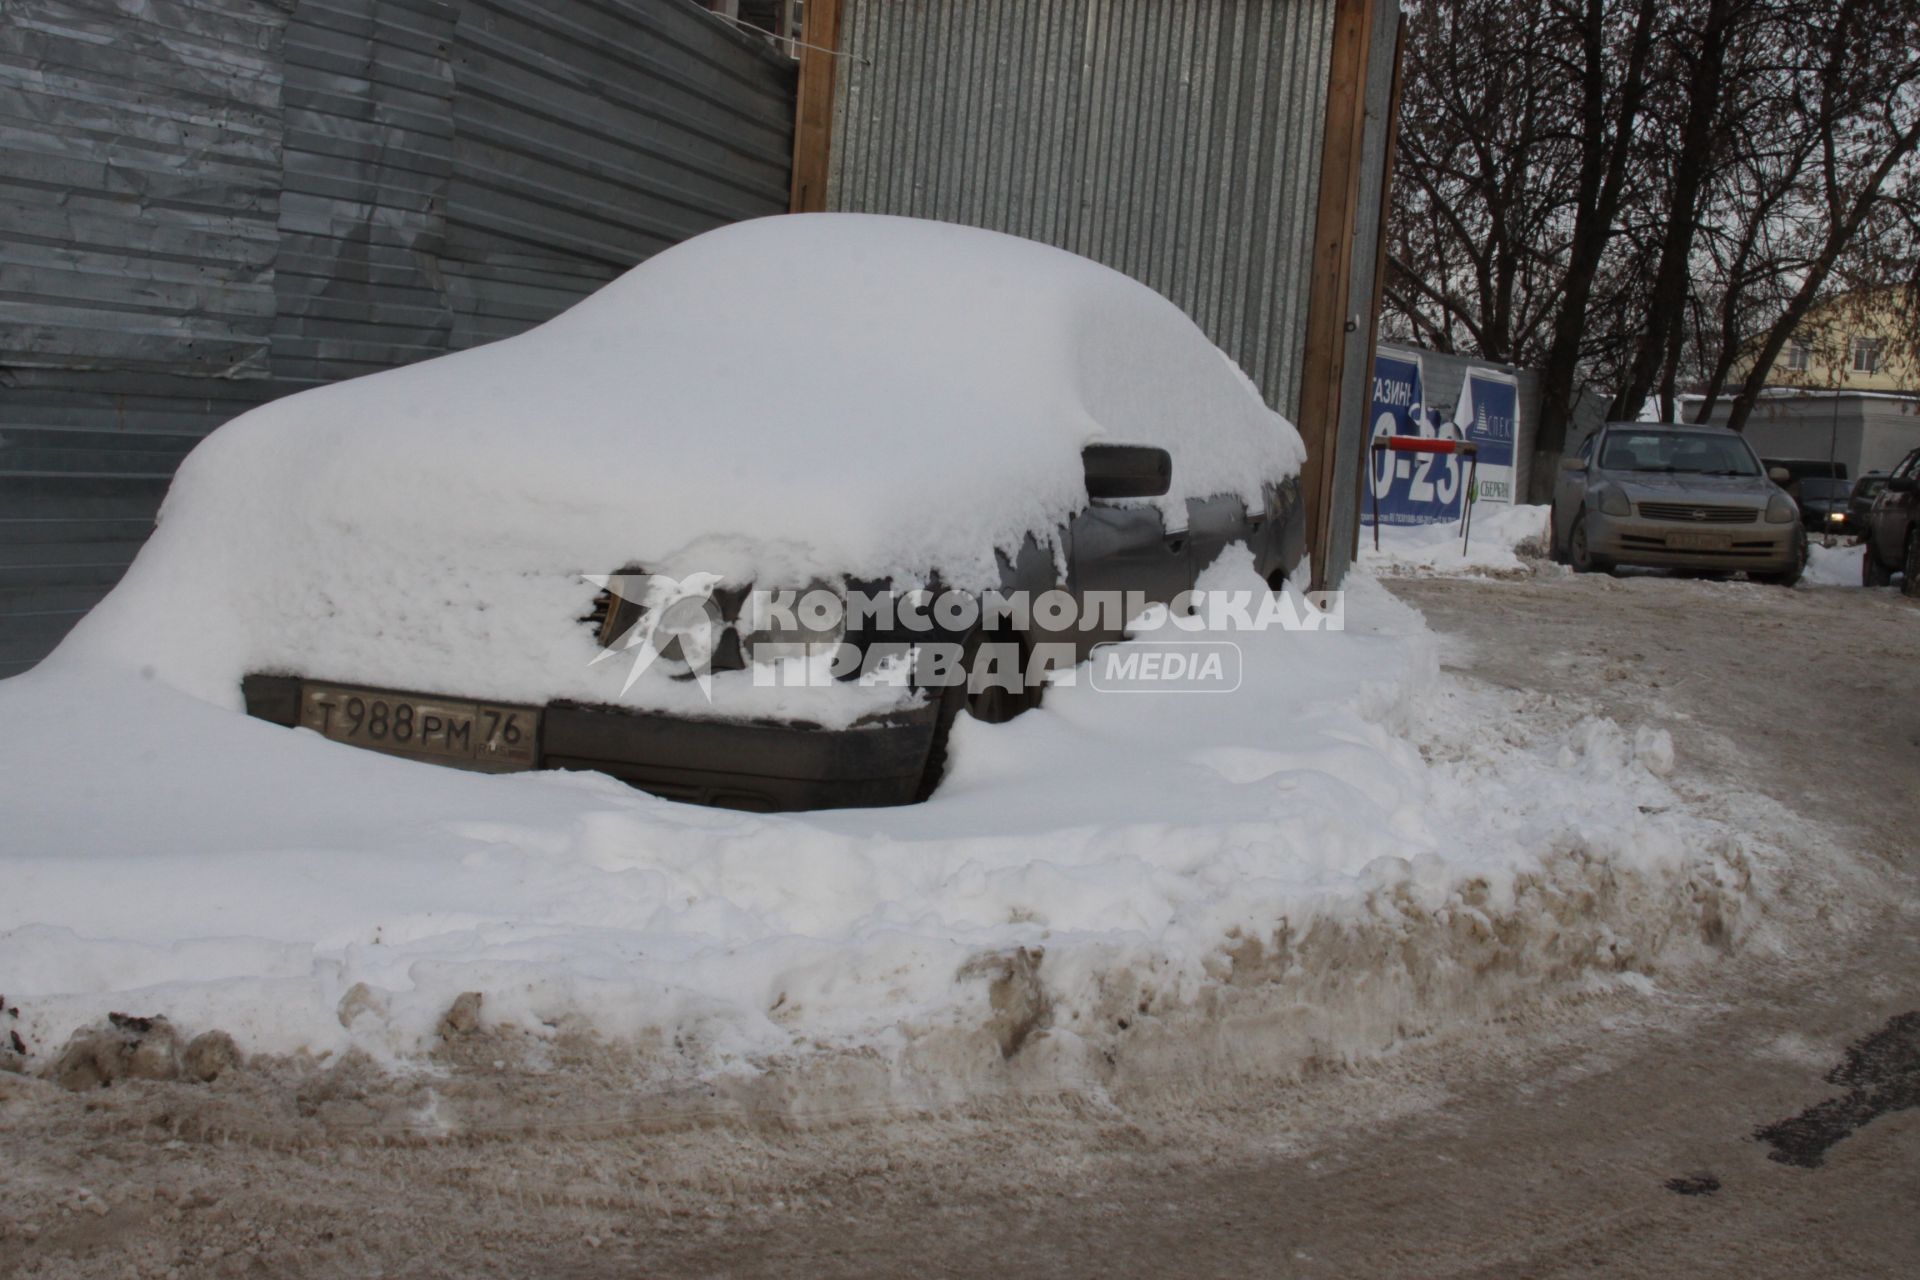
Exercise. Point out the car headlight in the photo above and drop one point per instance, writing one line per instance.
(778, 623)
(1614, 502)
(1780, 509)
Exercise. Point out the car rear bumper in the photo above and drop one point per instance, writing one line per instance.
(757, 766)
(1636, 540)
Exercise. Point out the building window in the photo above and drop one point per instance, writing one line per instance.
(1799, 355)
(1866, 355)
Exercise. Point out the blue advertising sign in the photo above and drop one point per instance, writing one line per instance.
(1488, 415)
(1411, 488)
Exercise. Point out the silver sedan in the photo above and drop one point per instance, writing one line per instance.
(1675, 497)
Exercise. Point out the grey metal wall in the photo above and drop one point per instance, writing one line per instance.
(1178, 141)
(1865, 432)
(208, 203)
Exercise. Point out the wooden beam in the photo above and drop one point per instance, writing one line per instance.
(813, 108)
(1380, 262)
(1328, 313)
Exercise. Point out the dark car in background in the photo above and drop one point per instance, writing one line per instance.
(1892, 530)
(1860, 501)
(1799, 469)
(1823, 505)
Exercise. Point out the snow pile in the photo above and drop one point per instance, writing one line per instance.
(1346, 850)
(1498, 537)
(1835, 566)
(777, 401)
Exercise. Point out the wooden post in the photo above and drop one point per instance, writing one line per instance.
(1380, 265)
(813, 109)
(1328, 314)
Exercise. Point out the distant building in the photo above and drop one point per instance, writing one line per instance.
(1862, 430)
(1847, 344)
(1844, 388)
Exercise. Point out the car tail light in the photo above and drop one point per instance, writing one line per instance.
(614, 613)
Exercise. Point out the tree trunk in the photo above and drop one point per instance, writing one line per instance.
(1666, 301)
(1603, 163)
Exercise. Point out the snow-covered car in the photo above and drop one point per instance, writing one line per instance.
(452, 561)
(1675, 497)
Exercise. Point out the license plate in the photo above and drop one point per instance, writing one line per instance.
(479, 735)
(1699, 542)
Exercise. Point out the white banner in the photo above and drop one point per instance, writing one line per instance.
(1489, 415)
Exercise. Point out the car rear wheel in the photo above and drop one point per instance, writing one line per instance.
(1579, 554)
(1872, 572)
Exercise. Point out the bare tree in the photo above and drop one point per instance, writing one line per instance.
(1516, 148)
(1480, 209)
(1698, 61)
(1611, 90)
(1641, 194)
(1863, 91)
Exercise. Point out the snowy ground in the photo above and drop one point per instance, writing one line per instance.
(1350, 844)
(1547, 1140)
(1494, 543)
(1511, 541)
(1832, 566)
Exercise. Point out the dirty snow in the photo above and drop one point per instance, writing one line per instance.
(1374, 846)
(1498, 535)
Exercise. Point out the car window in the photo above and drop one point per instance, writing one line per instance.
(1685, 452)
(1819, 487)
(1908, 464)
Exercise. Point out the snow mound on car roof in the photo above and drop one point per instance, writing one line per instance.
(775, 399)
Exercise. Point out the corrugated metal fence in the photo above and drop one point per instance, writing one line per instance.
(1177, 141)
(205, 204)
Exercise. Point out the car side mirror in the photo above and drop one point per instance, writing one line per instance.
(1903, 484)
(1126, 470)
(1780, 475)
(1575, 463)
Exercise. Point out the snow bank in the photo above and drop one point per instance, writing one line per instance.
(1835, 566)
(1500, 533)
(776, 401)
(1347, 850)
